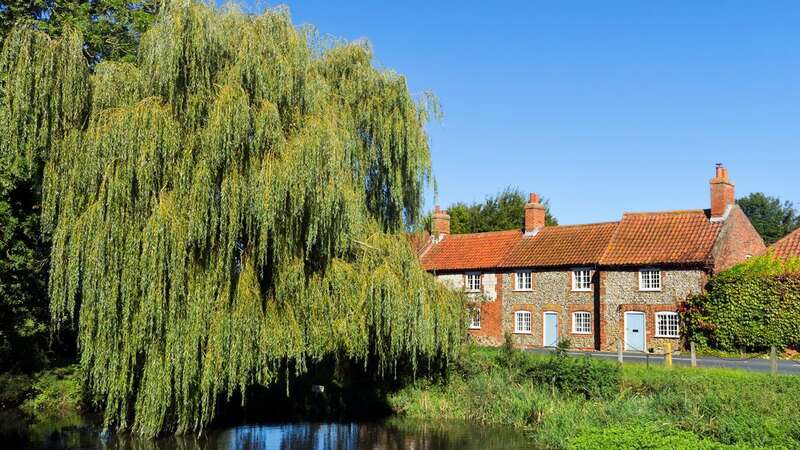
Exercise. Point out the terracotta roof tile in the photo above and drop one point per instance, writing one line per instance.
(675, 237)
(788, 246)
(419, 242)
(470, 251)
(562, 245)
(672, 237)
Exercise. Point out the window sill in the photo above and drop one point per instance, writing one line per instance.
(582, 333)
(649, 290)
(582, 290)
(473, 328)
(472, 292)
(661, 336)
(527, 333)
(522, 290)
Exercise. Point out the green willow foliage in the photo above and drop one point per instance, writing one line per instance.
(751, 306)
(225, 211)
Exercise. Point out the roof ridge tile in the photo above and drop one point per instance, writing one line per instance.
(675, 212)
(576, 225)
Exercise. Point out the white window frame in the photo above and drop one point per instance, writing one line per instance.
(663, 314)
(517, 328)
(517, 275)
(474, 312)
(642, 286)
(575, 287)
(575, 329)
(467, 284)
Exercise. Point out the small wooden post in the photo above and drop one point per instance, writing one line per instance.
(668, 355)
(773, 360)
(619, 351)
(694, 355)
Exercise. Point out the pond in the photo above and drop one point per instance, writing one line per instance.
(392, 434)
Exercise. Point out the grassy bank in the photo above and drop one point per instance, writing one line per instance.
(567, 402)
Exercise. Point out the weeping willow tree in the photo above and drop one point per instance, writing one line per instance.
(225, 211)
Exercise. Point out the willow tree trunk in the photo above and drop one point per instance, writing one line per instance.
(208, 207)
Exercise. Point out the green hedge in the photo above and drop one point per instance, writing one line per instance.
(591, 378)
(750, 307)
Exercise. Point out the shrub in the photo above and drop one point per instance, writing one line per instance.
(752, 306)
(474, 360)
(589, 377)
(55, 392)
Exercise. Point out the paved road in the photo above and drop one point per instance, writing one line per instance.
(755, 365)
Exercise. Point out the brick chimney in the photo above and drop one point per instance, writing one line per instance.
(440, 223)
(534, 214)
(722, 193)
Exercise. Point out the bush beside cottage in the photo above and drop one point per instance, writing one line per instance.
(750, 307)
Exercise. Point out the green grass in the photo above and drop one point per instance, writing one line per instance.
(650, 408)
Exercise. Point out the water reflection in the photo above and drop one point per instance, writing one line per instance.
(394, 434)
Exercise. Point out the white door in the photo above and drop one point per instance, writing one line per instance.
(635, 332)
(550, 329)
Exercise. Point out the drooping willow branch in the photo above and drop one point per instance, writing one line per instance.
(209, 206)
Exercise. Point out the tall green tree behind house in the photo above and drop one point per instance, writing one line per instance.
(225, 212)
(112, 29)
(772, 218)
(504, 211)
(13, 11)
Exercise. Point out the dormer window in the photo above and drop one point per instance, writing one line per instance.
(473, 282)
(650, 280)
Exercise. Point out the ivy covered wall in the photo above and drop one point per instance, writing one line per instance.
(752, 306)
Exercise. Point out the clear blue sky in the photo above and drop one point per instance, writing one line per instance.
(600, 106)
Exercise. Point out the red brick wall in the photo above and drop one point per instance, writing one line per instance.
(722, 195)
(737, 240)
(601, 323)
(491, 331)
(440, 223)
(534, 214)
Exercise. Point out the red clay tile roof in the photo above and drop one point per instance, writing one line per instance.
(674, 237)
(470, 251)
(788, 246)
(419, 242)
(562, 245)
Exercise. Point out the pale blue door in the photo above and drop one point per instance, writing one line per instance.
(550, 329)
(634, 332)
